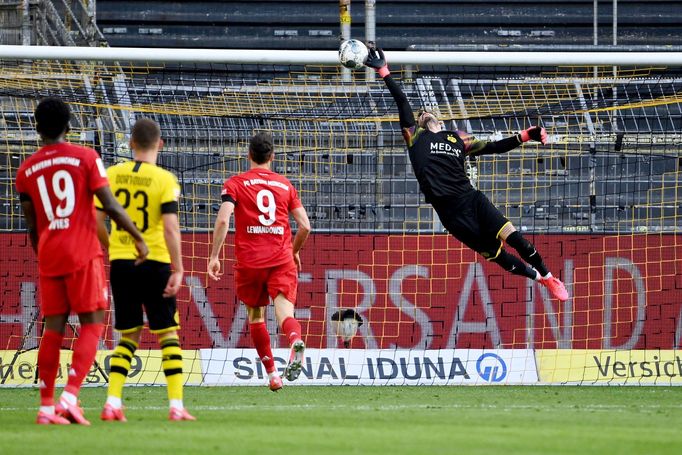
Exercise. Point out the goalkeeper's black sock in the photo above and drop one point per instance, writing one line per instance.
(514, 265)
(528, 252)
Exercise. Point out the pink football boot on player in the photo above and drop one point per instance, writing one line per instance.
(293, 369)
(555, 287)
(111, 414)
(275, 383)
(177, 415)
(51, 419)
(73, 413)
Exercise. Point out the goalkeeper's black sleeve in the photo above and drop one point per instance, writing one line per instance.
(404, 109)
(501, 146)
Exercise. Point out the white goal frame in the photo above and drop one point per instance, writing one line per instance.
(325, 58)
(447, 366)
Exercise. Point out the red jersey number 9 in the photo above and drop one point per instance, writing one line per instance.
(265, 201)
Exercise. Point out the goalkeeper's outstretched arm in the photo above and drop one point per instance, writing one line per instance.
(377, 61)
(476, 147)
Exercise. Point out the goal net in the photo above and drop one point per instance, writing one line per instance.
(601, 202)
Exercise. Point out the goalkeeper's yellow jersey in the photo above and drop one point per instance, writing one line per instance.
(146, 192)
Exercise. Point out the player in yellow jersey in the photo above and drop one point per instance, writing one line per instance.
(150, 196)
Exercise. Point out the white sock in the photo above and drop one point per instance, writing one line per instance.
(272, 374)
(114, 402)
(70, 398)
(176, 404)
(548, 276)
(47, 410)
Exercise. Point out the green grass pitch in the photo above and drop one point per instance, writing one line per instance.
(362, 420)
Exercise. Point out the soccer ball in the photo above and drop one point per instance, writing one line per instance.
(352, 54)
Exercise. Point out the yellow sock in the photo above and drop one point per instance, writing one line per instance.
(172, 366)
(120, 364)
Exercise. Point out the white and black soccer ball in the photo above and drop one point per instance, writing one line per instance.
(353, 54)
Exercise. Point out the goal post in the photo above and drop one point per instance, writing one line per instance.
(601, 202)
(330, 58)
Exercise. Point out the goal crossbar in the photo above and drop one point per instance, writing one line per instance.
(324, 58)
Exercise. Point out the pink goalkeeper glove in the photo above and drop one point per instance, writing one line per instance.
(535, 133)
(376, 60)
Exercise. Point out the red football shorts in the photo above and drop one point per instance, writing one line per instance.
(82, 291)
(255, 285)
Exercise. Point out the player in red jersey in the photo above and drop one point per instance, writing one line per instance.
(267, 259)
(56, 186)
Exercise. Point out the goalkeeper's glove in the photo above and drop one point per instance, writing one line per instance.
(535, 133)
(376, 60)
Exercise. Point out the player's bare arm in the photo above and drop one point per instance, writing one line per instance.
(303, 223)
(30, 217)
(102, 231)
(112, 208)
(171, 233)
(222, 224)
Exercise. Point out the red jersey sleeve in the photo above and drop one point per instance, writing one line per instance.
(229, 192)
(21, 186)
(294, 201)
(97, 174)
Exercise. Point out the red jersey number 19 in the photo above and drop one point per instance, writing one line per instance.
(62, 186)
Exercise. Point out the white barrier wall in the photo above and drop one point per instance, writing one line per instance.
(377, 367)
(381, 367)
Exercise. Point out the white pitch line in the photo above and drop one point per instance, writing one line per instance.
(238, 407)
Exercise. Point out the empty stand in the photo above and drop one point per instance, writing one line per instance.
(291, 24)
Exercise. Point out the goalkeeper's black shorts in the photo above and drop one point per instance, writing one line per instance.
(137, 286)
(473, 220)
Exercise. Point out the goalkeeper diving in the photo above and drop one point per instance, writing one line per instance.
(438, 159)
